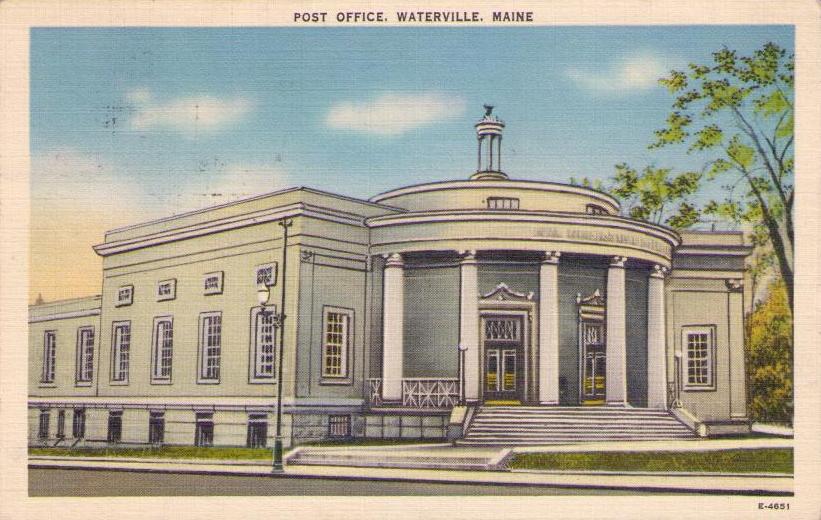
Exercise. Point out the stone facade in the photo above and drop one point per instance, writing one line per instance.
(398, 308)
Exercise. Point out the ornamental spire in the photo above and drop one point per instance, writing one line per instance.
(489, 134)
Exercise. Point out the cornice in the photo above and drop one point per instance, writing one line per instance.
(297, 209)
(544, 217)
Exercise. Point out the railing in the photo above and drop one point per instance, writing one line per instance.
(419, 392)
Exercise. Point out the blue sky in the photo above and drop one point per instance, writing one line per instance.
(141, 123)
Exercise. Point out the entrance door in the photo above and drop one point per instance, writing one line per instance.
(504, 349)
(594, 364)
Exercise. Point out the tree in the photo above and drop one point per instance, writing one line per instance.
(657, 195)
(770, 357)
(738, 111)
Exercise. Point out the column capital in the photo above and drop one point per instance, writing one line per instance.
(551, 257)
(468, 256)
(734, 284)
(394, 260)
(659, 271)
(617, 261)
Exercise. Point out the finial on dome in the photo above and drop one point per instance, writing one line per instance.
(489, 133)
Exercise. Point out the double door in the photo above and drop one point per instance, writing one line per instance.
(594, 364)
(503, 358)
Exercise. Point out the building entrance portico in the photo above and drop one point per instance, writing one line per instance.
(504, 356)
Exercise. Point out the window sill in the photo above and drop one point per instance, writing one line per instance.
(161, 382)
(118, 383)
(699, 389)
(270, 381)
(331, 381)
(208, 381)
(47, 385)
(82, 384)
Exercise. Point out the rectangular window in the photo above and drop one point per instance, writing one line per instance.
(212, 283)
(502, 203)
(78, 423)
(263, 335)
(85, 354)
(125, 295)
(699, 357)
(120, 350)
(61, 424)
(336, 340)
(115, 426)
(266, 274)
(49, 356)
(166, 290)
(210, 346)
(339, 426)
(204, 433)
(163, 346)
(42, 428)
(156, 427)
(257, 430)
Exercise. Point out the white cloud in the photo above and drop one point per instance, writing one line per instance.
(636, 72)
(394, 113)
(188, 115)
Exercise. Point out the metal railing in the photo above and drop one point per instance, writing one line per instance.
(420, 392)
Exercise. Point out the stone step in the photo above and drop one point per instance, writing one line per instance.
(581, 411)
(394, 459)
(509, 421)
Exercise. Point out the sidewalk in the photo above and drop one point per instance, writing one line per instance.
(751, 484)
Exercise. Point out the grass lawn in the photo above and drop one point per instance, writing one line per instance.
(193, 452)
(769, 460)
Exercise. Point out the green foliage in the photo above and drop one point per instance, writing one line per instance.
(736, 111)
(657, 194)
(771, 460)
(770, 358)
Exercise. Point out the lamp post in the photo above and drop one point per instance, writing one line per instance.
(278, 321)
(462, 349)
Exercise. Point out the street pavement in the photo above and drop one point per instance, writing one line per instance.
(102, 483)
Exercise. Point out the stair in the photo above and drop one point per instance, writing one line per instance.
(423, 458)
(539, 425)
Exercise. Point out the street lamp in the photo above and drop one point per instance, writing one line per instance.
(462, 349)
(278, 322)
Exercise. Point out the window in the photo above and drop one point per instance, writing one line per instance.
(156, 427)
(595, 209)
(699, 357)
(85, 354)
(120, 350)
(78, 423)
(336, 341)
(212, 283)
(49, 356)
(42, 428)
(257, 430)
(339, 426)
(266, 274)
(502, 203)
(262, 344)
(115, 426)
(166, 290)
(61, 424)
(210, 346)
(163, 345)
(204, 433)
(125, 295)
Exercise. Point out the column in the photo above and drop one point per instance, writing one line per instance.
(469, 323)
(549, 329)
(735, 327)
(616, 381)
(393, 328)
(656, 340)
